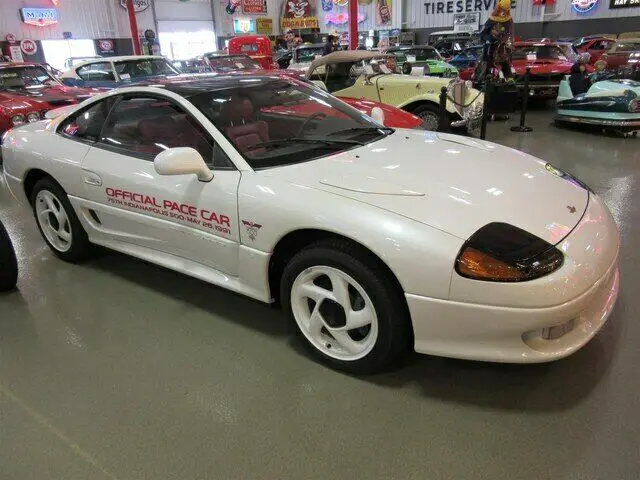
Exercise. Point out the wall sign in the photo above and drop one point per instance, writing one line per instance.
(106, 45)
(624, 3)
(28, 47)
(341, 18)
(264, 26)
(138, 5)
(466, 22)
(11, 38)
(584, 6)
(254, 7)
(459, 6)
(383, 12)
(298, 14)
(15, 53)
(40, 17)
(244, 25)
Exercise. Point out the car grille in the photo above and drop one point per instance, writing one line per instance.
(545, 79)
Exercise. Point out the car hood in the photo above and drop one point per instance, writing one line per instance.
(51, 96)
(613, 87)
(452, 183)
(542, 66)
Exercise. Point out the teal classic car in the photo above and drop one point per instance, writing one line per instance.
(424, 60)
(613, 104)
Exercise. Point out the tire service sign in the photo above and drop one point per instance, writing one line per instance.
(624, 3)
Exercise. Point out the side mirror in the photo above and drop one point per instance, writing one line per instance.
(182, 161)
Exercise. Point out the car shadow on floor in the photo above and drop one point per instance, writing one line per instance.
(487, 385)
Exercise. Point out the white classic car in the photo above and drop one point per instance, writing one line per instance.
(369, 237)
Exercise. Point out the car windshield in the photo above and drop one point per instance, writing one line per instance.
(308, 54)
(145, 67)
(537, 52)
(275, 122)
(233, 63)
(627, 46)
(421, 54)
(25, 77)
(569, 52)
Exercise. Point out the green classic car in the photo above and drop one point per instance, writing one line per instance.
(424, 60)
(365, 75)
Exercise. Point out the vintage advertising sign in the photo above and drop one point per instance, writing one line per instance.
(584, 6)
(28, 47)
(138, 5)
(254, 7)
(40, 17)
(106, 45)
(264, 26)
(298, 14)
(624, 3)
(466, 22)
(383, 12)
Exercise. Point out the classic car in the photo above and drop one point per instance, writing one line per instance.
(192, 65)
(71, 62)
(612, 104)
(110, 72)
(548, 64)
(257, 47)
(8, 262)
(371, 239)
(27, 92)
(227, 63)
(362, 74)
(304, 55)
(466, 61)
(450, 45)
(595, 47)
(424, 60)
(623, 53)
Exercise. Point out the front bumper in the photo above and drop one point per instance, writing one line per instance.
(579, 296)
(625, 123)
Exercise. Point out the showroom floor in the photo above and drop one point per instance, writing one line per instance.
(117, 369)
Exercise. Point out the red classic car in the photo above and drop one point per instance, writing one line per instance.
(548, 64)
(595, 47)
(624, 52)
(257, 47)
(27, 92)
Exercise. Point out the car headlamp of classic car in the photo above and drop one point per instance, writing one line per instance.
(634, 105)
(33, 117)
(500, 252)
(17, 120)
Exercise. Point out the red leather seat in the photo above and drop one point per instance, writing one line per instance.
(158, 131)
(242, 130)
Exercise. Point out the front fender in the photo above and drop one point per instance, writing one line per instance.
(426, 97)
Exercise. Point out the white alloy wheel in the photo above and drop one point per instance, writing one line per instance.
(53, 220)
(334, 313)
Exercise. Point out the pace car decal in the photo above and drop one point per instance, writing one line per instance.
(252, 229)
(182, 212)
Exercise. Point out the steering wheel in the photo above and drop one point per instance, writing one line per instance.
(305, 124)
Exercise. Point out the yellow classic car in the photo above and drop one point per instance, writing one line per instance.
(365, 75)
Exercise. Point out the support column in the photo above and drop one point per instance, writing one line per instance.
(133, 25)
(353, 24)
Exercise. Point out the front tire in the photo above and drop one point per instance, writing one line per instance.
(347, 310)
(58, 222)
(430, 115)
(8, 262)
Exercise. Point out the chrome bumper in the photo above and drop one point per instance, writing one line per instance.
(598, 121)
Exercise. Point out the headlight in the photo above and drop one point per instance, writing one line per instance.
(17, 120)
(499, 252)
(33, 117)
(634, 105)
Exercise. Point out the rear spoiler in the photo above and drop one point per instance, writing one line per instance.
(58, 112)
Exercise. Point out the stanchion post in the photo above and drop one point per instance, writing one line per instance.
(443, 114)
(523, 111)
(488, 86)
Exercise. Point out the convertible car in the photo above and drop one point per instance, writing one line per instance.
(28, 92)
(8, 262)
(613, 104)
(369, 238)
(365, 75)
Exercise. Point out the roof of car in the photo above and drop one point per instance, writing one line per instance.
(345, 56)
(208, 83)
(123, 58)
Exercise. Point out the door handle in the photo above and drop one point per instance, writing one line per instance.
(92, 179)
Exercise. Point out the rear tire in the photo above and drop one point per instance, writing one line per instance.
(8, 262)
(348, 313)
(58, 222)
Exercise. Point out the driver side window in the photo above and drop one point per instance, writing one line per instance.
(96, 72)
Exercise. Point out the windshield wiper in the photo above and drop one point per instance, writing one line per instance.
(388, 130)
(289, 141)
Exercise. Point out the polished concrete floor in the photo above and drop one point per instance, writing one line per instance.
(117, 369)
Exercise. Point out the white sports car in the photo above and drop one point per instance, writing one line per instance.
(370, 238)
